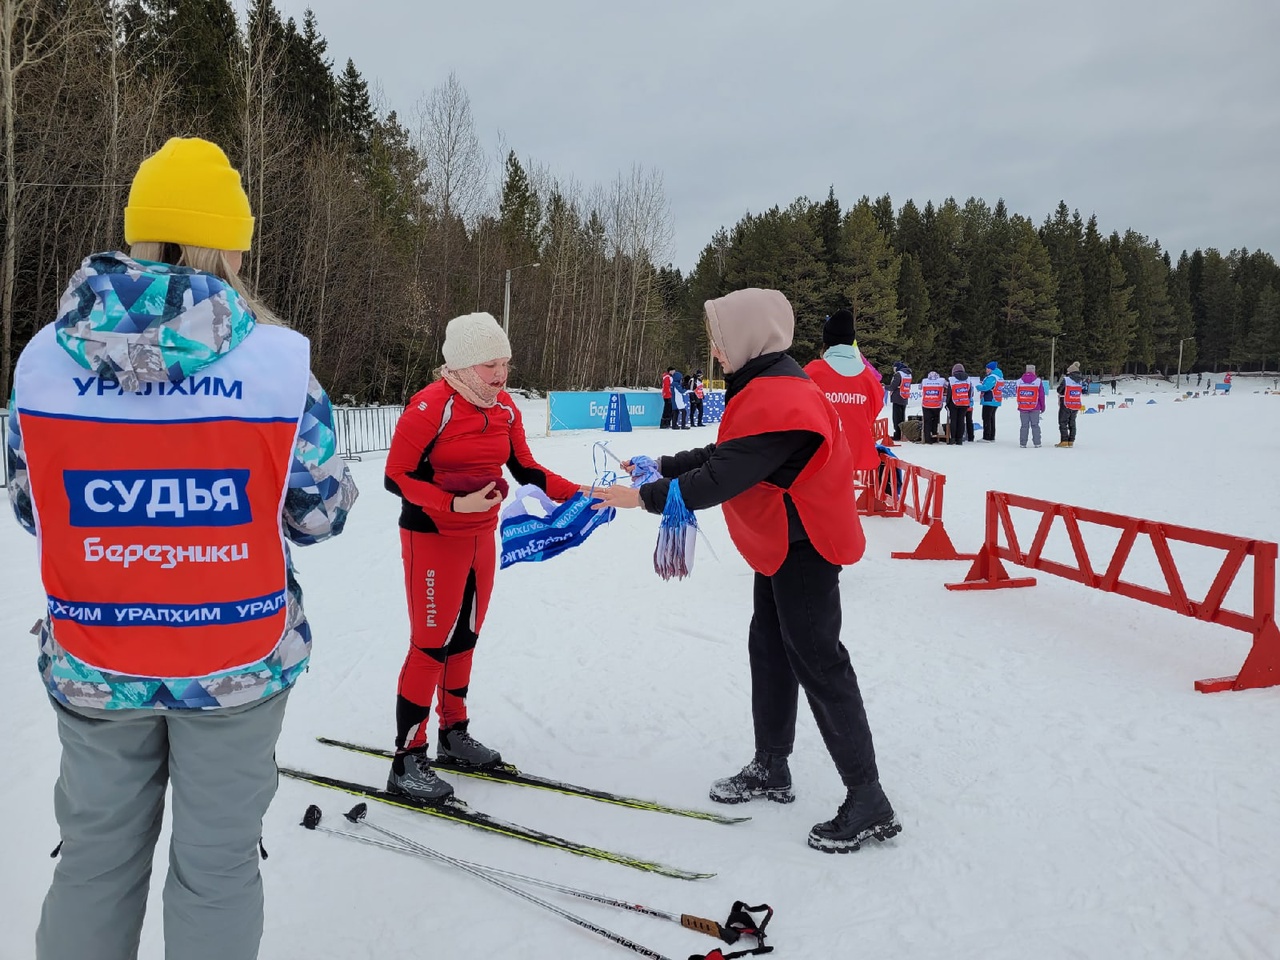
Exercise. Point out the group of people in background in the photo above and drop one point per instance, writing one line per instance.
(958, 395)
(682, 396)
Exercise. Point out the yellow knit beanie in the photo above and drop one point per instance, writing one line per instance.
(188, 192)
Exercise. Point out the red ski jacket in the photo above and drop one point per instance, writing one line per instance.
(444, 446)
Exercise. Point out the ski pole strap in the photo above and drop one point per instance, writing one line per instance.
(740, 924)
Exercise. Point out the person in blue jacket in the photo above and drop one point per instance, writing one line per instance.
(990, 389)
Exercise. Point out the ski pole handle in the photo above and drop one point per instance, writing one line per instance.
(709, 927)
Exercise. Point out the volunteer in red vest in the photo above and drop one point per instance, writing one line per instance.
(851, 387)
(667, 410)
(445, 464)
(899, 395)
(697, 391)
(167, 438)
(990, 389)
(1070, 403)
(959, 406)
(784, 476)
(933, 394)
(1029, 395)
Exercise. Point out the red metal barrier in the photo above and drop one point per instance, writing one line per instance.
(880, 433)
(883, 494)
(1262, 666)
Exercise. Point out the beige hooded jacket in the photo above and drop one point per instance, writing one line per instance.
(750, 323)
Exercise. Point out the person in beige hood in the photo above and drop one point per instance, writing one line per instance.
(783, 473)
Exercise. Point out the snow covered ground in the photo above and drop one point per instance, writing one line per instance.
(1064, 791)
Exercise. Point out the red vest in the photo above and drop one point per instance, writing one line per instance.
(158, 512)
(1072, 395)
(931, 395)
(904, 388)
(961, 391)
(1028, 395)
(823, 493)
(859, 401)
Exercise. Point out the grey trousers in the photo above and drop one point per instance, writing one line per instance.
(1030, 421)
(109, 802)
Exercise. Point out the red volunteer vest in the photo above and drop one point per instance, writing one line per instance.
(961, 391)
(858, 400)
(158, 512)
(904, 388)
(931, 395)
(1072, 394)
(823, 493)
(1028, 395)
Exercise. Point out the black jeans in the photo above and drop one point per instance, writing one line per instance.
(666, 413)
(695, 411)
(959, 424)
(899, 414)
(1067, 424)
(989, 423)
(929, 426)
(795, 642)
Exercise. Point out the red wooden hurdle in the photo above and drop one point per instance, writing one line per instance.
(881, 494)
(1261, 667)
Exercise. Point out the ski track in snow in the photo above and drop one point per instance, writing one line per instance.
(1063, 790)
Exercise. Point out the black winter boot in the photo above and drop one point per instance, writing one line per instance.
(765, 776)
(865, 815)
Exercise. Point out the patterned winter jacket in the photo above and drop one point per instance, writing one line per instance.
(182, 323)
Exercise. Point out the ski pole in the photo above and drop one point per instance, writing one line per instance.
(311, 820)
(690, 922)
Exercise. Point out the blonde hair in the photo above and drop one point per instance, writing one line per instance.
(206, 260)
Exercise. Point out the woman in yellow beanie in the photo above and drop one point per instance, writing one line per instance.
(160, 426)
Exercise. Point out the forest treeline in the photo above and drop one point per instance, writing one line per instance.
(376, 225)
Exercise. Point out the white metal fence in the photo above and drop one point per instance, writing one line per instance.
(364, 429)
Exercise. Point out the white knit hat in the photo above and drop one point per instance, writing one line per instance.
(474, 338)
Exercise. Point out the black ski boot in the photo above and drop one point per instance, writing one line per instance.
(457, 745)
(765, 776)
(411, 776)
(865, 815)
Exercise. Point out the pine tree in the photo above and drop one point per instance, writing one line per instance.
(1180, 307)
(866, 278)
(1028, 288)
(520, 212)
(828, 227)
(913, 301)
(1216, 307)
(1118, 321)
(1264, 333)
(355, 113)
(198, 42)
(1063, 238)
(309, 83)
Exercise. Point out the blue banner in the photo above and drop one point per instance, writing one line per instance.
(587, 411)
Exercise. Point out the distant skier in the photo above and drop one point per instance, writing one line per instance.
(667, 409)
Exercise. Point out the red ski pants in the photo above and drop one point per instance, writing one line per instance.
(448, 582)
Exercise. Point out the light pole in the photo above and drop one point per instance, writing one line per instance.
(1180, 343)
(1053, 345)
(506, 297)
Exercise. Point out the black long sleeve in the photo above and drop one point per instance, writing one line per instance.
(722, 471)
(685, 461)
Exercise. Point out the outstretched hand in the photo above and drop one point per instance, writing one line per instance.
(618, 496)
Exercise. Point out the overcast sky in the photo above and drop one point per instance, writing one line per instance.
(1157, 115)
